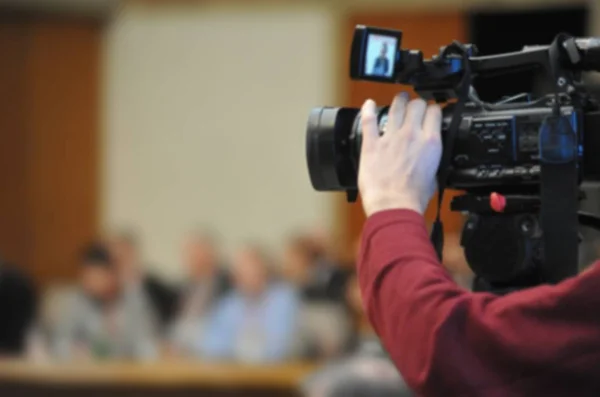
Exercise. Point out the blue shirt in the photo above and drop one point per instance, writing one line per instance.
(260, 330)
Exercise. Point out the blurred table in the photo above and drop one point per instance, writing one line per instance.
(20, 379)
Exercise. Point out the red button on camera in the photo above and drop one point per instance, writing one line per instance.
(497, 202)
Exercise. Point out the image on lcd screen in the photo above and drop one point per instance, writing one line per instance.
(380, 59)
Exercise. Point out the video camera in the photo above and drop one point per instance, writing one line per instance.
(520, 161)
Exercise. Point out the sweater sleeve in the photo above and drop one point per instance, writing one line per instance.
(450, 342)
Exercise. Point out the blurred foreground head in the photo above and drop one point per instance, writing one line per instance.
(200, 255)
(98, 276)
(251, 271)
(361, 376)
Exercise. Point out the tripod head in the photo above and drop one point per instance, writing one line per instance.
(502, 239)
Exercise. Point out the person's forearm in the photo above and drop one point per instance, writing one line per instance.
(447, 341)
(404, 287)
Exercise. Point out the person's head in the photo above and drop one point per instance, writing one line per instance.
(319, 242)
(384, 49)
(357, 376)
(200, 255)
(298, 260)
(123, 248)
(98, 277)
(251, 270)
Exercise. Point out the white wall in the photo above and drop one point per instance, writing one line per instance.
(204, 123)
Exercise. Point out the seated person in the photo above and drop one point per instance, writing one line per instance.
(324, 330)
(257, 321)
(206, 282)
(161, 298)
(100, 319)
(307, 266)
(381, 66)
(18, 304)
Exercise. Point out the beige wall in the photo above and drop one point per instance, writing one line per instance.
(204, 123)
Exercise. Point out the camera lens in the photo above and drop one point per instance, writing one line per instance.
(332, 140)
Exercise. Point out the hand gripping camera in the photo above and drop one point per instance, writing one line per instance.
(520, 161)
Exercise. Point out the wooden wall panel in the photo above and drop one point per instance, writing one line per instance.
(14, 232)
(427, 31)
(63, 72)
(49, 120)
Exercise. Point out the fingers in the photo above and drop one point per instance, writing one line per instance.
(369, 124)
(432, 124)
(415, 113)
(412, 117)
(397, 112)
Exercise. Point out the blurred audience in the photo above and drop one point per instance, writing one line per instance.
(257, 321)
(18, 306)
(102, 319)
(243, 313)
(206, 281)
(133, 275)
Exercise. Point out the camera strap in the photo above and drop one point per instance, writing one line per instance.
(558, 145)
(437, 233)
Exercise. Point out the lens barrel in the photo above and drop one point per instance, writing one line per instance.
(329, 151)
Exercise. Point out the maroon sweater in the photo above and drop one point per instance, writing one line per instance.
(446, 341)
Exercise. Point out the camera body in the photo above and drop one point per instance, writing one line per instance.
(497, 149)
(494, 150)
